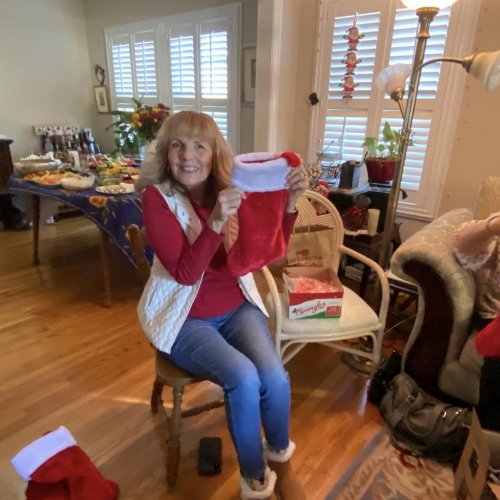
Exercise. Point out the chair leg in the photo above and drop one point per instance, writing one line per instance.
(156, 400)
(174, 443)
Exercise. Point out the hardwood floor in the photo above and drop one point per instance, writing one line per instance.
(66, 360)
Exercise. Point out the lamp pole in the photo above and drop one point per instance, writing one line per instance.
(425, 17)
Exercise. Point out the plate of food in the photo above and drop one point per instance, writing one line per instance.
(48, 178)
(112, 189)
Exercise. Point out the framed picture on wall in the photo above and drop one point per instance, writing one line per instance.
(101, 98)
(249, 73)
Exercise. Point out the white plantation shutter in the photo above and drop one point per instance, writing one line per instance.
(182, 64)
(368, 24)
(403, 44)
(389, 38)
(346, 120)
(219, 114)
(133, 68)
(353, 131)
(122, 67)
(415, 156)
(199, 69)
(145, 66)
(402, 47)
(213, 63)
(186, 61)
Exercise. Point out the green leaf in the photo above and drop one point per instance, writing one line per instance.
(388, 133)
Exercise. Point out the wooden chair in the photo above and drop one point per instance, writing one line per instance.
(167, 374)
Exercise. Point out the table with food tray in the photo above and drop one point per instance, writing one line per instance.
(112, 212)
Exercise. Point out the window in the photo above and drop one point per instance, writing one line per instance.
(199, 69)
(187, 61)
(133, 57)
(388, 38)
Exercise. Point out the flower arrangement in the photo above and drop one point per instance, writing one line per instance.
(136, 128)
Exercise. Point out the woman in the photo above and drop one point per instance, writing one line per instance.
(477, 247)
(202, 318)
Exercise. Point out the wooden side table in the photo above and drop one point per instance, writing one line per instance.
(10, 216)
(366, 245)
(6, 165)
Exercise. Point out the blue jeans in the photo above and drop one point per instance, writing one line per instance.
(235, 351)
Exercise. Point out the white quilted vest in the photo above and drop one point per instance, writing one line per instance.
(165, 303)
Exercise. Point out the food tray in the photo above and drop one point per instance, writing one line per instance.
(30, 166)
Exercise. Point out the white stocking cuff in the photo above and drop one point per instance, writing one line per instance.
(260, 172)
(39, 451)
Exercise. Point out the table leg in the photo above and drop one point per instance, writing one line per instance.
(36, 228)
(106, 275)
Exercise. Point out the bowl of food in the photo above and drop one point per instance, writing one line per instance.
(78, 182)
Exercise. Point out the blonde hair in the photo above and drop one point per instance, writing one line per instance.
(191, 124)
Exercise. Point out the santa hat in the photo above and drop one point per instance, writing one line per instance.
(488, 339)
(260, 237)
(58, 469)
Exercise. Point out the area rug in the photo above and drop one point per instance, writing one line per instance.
(381, 472)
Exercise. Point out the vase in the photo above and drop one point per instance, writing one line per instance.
(142, 151)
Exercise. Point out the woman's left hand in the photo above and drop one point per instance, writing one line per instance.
(297, 182)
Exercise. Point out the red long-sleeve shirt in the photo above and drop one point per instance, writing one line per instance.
(219, 291)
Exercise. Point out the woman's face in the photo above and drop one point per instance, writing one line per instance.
(190, 162)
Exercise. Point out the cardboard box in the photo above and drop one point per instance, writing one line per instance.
(315, 304)
(470, 475)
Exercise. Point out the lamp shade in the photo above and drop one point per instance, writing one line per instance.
(418, 4)
(393, 78)
(486, 68)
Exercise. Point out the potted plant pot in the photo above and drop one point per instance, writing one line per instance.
(380, 170)
(382, 154)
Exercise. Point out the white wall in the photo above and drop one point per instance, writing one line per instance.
(44, 77)
(475, 152)
(278, 73)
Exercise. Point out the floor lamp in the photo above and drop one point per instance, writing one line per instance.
(484, 66)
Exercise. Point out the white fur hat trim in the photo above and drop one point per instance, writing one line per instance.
(38, 452)
(276, 456)
(248, 494)
(260, 172)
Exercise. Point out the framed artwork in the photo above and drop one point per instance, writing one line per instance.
(101, 99)
(249, 74)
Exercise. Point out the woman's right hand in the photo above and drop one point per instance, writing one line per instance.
(228, 202)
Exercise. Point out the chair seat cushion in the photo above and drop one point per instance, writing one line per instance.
(356, 317)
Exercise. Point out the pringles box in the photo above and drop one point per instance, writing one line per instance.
(312, 292)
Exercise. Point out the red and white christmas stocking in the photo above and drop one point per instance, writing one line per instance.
(57, 469)
(260, 216)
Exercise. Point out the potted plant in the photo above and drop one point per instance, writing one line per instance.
(381, 155)
(134, 129)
